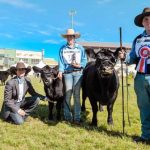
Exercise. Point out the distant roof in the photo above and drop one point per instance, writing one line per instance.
(50, 61)
(103, 45)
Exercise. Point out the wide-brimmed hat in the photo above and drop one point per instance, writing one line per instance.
(20, 65)
(139, 18)
(71, 32)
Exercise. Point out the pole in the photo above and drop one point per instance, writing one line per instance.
(42, 54)
(127, 94)
(72, 13)
(123, 120)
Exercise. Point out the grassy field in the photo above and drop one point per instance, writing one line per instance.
(37, 133)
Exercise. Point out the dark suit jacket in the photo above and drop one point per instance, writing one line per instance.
(11, 94)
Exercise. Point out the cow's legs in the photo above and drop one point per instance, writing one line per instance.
(94, 109)
(58, 108)
(83, 105)
(50, 116)
(101, 107)
(110, 110)
(84, 95)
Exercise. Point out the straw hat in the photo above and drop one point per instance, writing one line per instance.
(139, 18)
(71, 32)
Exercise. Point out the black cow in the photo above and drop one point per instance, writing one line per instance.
(53, 88)
(90, 54)
(4, 76)
(101, 82)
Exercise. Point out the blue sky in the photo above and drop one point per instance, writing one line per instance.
(38, 24)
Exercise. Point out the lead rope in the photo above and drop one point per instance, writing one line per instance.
(127, 95)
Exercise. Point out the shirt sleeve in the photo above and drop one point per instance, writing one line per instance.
(61, 61)
(131, 56)
(83, 57)
(8, 100)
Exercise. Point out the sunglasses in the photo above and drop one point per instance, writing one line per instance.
(71, 36)
(20, 69)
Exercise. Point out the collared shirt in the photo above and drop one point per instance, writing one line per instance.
(139, 53)
(69, 55)
(21, 89)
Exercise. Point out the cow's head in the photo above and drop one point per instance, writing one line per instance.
(48, 74)
(105, 61)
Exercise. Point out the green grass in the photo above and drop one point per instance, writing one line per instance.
(38, 133)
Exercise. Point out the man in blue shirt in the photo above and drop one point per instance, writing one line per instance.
(72, 60)
(140, 55)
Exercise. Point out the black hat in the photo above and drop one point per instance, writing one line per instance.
(139, 18)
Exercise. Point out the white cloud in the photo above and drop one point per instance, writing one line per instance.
(17, 3)
(121, 13)
(6, 35)
(32, 25)
(3, 18)
(44, 32)
(103, 1)
(56, 28)
(28, 32)
(80, 24)
(21, 4)
(51, 41)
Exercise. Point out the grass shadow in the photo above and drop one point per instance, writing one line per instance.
(41, 112)
(86, 124)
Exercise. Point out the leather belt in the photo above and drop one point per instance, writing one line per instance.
(70, 71)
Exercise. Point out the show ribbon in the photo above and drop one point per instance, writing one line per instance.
(144, 53)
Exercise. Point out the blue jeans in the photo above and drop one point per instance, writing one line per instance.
(28, 105)
(72, 86)
(142, 89)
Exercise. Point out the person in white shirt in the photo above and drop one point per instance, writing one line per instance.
(16, 107)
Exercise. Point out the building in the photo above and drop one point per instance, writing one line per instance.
(98, 45)
(50, 61)
(9, 57)
(113, 46)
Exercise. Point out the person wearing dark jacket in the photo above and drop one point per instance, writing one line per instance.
(16, 107)
(140, 55)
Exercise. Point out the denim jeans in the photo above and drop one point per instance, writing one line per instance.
(28, 105)
(72, 87)
(142, 89)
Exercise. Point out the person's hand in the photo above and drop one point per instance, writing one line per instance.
(76, 65)
(60, 75)
(21, 112)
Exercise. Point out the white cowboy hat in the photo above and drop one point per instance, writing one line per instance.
(71, 32)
